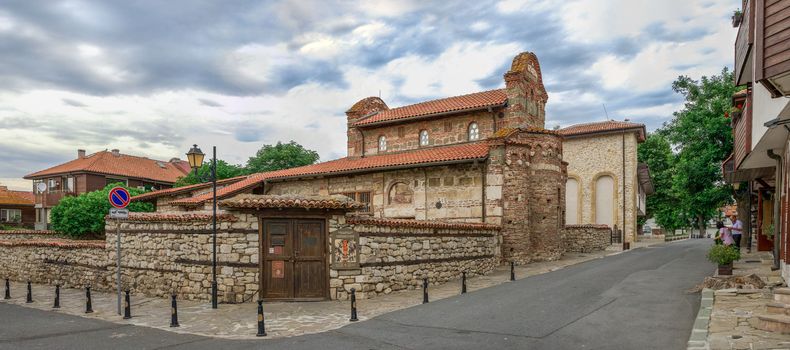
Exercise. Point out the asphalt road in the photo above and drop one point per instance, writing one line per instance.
(634, 300)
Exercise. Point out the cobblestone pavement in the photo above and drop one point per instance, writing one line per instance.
(238, 321)
(733, 317)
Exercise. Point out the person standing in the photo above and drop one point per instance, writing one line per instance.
(736, 229)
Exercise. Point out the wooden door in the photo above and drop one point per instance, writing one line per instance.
(310, 264)
(294, 263)
(277, 251)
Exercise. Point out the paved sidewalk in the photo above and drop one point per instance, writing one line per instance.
(733, 317)
(238, 321)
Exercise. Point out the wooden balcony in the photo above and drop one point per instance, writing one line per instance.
(51, 199)
(743, 46)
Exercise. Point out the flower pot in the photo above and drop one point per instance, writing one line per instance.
(725, 270)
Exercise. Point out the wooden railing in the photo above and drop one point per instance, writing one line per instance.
(743, 44)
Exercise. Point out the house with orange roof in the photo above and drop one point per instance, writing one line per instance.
(481, 159)
(606, 183)
(16, 208)
(92, 172)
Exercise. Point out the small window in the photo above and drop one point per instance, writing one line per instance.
(424, 138)
(474, 132)
(362, 197)
(382, 143)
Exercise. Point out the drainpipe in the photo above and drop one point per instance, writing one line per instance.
(777, 206)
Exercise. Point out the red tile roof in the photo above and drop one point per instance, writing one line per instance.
(11, 197)
(105, 162)
(603, 127)
(422, 223)
(476, 100)
(598, 226)
(185, 189)
(458, 152)
(54, 243)
(257, 201)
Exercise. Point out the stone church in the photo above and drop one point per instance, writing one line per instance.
(478, 161)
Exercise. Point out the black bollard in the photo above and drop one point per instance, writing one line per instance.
(173, 312)
(57, 297)
(424, 290)
(353, 305)
(512, 271)
(127, 307)
(29, 293)
(463, 282)
(7, 289)
(261, 325)
(88, 304)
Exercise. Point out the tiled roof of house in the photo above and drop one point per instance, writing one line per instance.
(603, 127)
(258, 201)
(11, 197)
(179, 217)
(476, 100)
(458, 152)
(108, 163)
(185, 189)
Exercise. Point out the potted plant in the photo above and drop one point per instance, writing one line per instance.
(737, 17)
(735, 112)
(724, 255)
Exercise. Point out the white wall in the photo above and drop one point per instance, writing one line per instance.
(604, 200)
(572, 202)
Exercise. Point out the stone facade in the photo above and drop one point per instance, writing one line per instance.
(592, 157)
(586, 238)
(395, 257)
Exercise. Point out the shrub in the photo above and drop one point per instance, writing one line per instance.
(83, 215)
(723, 254)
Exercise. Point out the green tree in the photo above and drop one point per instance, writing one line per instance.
(224, 171)
(281, 156)
(656, 152)
(83, 216)
(702, 138)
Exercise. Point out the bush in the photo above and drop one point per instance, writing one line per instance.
(83, 215)
(723, 254)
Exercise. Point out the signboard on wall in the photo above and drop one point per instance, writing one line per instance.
(345, 249)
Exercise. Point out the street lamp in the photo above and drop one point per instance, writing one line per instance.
(195, 157)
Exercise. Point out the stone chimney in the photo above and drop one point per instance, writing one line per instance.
(80, 153)
(526, 95)
(363, 108)
(116, 152)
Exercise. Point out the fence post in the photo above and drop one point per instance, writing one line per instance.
(174, 312)
(7, 289)
(127, 307)
(57, 297)
(425, 290)
(29, 293)
(88, 304)
(512, 270)
(463, 282)
(353, 305)
(261, 325)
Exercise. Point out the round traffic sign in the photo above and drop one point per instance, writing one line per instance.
(119, 197)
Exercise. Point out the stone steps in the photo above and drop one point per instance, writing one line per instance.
(774, 323)
(778, 308)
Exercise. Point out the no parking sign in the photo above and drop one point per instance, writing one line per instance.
(119, 197)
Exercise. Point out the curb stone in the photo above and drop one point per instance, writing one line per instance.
(699, 334)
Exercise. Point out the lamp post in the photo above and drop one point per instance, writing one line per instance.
(195, 157)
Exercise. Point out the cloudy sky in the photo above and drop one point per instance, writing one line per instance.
(153, 77)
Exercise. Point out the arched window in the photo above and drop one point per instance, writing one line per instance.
(604, 200)
(474, 132)
(572, 201)
(382, 143)
(424, 138)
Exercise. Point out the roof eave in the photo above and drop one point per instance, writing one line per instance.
(359, 124)
(339, 173)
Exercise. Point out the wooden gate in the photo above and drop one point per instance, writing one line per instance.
(294, 264)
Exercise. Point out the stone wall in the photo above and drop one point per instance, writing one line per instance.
(398, 254)
(160, 256)
(26, 234)
(602, 155)
(449, 193)
(586, 238)
(73, 264)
